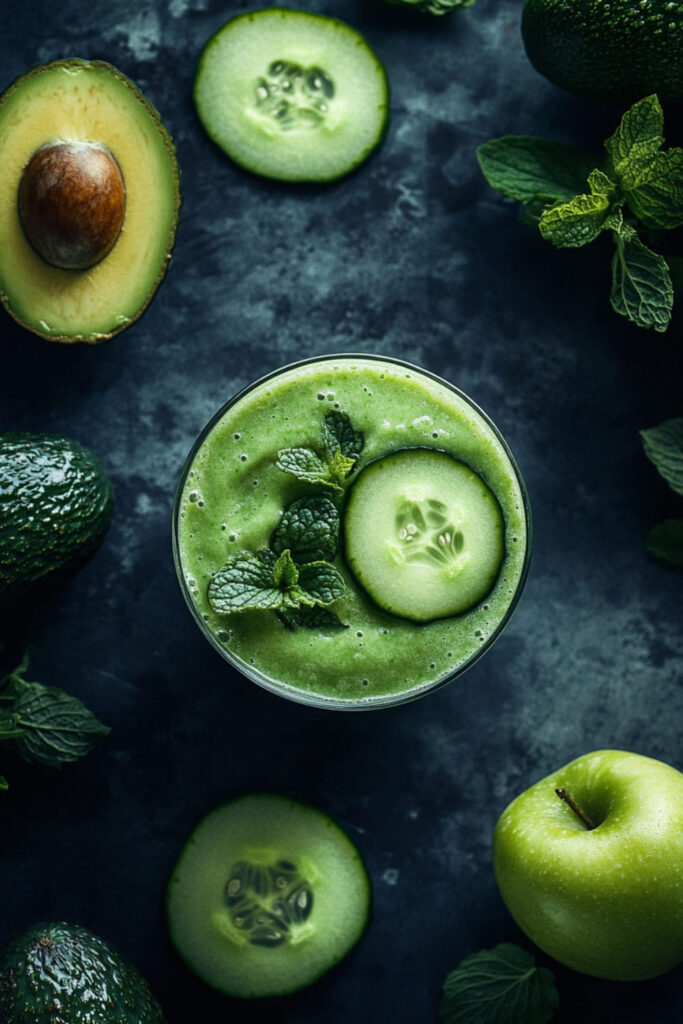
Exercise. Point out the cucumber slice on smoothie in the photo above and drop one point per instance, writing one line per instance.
(268, 894)
(292, 95)
(423, 534)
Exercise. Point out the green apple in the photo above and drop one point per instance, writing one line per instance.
(594, 875)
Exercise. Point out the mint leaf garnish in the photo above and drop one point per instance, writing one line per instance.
(309, 527)
(665, 542)
(321, 582)
(498, 986)
(663, 446)
(641, 284)
(339, 435)
(253, 580)
(523, 167)
(305, 465)
(294, 577)
(285, 573)
(4, 785)
(245, 583)
(340, 466)
(342, 444)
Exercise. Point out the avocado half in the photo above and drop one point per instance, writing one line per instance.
(86, 102)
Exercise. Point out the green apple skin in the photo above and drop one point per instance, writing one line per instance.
(606, 901)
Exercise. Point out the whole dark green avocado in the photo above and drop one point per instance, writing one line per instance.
(55, 506)
(614, 52)
(64, 974)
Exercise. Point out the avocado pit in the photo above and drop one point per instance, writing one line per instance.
(72, 201)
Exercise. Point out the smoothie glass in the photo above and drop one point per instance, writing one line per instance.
(231, 494)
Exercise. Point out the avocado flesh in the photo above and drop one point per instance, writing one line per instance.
(75, 100)
(64, 974)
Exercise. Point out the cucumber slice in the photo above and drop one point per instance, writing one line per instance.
(268, 894)
(423, 534)
(292, 95)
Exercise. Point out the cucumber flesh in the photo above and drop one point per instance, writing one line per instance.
(268, 894)
(423, 534)
(292, 95)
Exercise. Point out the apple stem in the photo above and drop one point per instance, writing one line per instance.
(571, 802)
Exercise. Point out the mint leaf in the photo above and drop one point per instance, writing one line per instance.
(321, 582)
(310, 617)
(339, 435)
(651, 179)
(601, 184)
(285, 573)
(638, 137)
(305, 465)
(309, 527)
(663, 446)
(654, 190)
(340, 466)
(4, 785)
(523, 167)
(498, 986)
(641, 284)
(665, 542)
(245, 583)
(57, 728)
(576, 223)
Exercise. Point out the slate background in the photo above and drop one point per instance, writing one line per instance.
(413, 256)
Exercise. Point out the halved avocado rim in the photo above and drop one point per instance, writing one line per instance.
(167, 141)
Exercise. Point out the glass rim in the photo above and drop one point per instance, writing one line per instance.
(306, 697)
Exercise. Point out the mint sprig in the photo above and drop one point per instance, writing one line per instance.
(262, 580)
(46, 725)
(295, 572)
(663, 446)
(294, 577)
(342, 446)
(502, 985)
(639, 185)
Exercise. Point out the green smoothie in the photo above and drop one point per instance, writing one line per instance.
(232, 495)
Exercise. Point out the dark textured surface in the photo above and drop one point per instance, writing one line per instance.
(414, 256)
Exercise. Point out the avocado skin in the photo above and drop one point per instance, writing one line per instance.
(64, 974)
(615, 52)
(56, 503)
